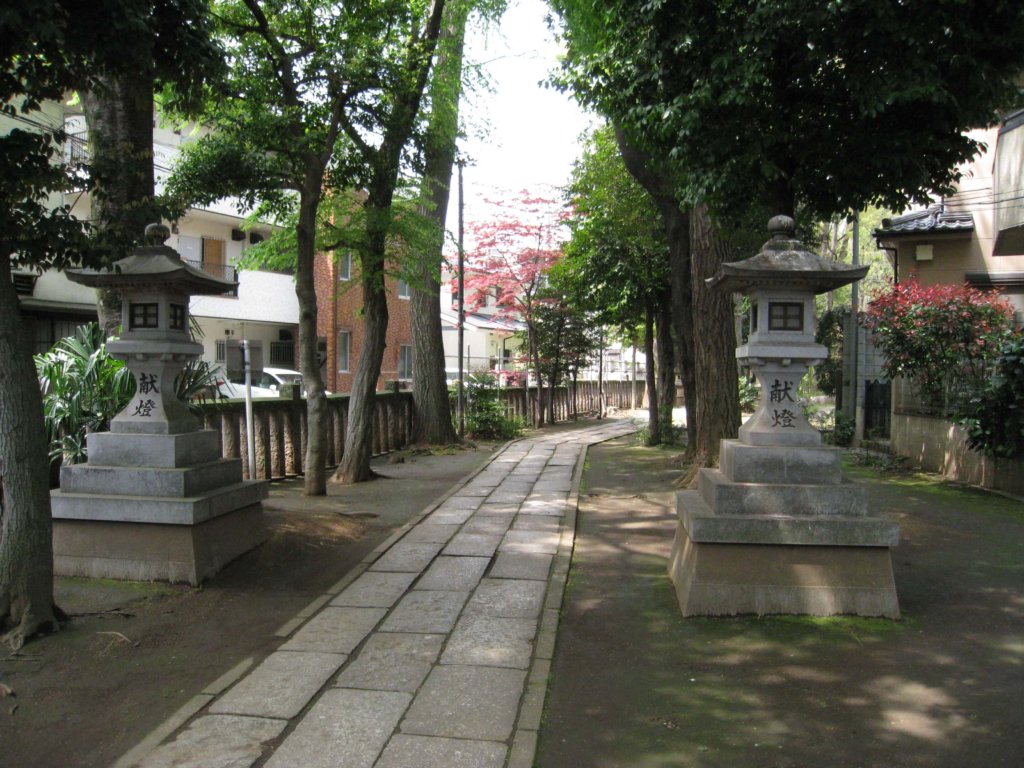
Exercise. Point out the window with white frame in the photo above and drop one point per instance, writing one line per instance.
(345, 265)
(405, 361)
(404, 292)
(344, 351)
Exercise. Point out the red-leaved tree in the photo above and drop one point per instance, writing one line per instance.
(512, 251)
(944, 337)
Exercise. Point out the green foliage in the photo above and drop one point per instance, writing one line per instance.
(845, 428)
(750, 394)
(994, 414)
(943, 337)
(486, 418)
(829, 372)
(617, 258)
(83, 389)
(835, 105)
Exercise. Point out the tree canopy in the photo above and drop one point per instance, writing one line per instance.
(832, 105)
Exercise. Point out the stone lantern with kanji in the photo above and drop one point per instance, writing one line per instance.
(781, 282)
(157, 499)
(775, 528)
(154, 285)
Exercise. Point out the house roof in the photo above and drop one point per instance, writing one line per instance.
(479, 321)
(933, 220)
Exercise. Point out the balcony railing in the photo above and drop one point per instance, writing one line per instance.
(223, 271)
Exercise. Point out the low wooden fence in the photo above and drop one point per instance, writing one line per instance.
(280, 428)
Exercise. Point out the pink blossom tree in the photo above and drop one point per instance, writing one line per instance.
(512, 251)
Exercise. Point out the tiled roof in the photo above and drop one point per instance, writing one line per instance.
(929, 221)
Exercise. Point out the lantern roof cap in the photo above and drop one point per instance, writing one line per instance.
(785, 262)
(153, 266)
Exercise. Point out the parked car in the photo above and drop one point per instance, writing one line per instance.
(269, 383)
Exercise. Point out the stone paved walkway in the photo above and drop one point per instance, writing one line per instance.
(433, 653)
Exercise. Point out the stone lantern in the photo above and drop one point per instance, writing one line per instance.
(776, 529)
(156, 500)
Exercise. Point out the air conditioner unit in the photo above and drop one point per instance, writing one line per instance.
(237, 235)
(924, 253)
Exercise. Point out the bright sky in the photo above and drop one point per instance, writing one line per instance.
(532, 132)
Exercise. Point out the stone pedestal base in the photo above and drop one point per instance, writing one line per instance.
(142, 551)
(716, 579)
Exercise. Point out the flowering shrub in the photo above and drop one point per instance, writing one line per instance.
(944, 337)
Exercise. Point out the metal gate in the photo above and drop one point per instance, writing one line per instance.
(877, 408)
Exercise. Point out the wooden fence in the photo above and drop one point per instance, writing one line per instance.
(279, 425)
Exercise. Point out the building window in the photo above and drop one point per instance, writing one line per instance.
(405, 361)
(345, 265)
(785, 316)
(344, 351)
(144, 315)
(404, 291)
(177, 317)
(220, 351)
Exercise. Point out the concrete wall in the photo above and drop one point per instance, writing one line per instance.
(938, 446)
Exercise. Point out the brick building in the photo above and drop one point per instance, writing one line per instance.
(339, 296)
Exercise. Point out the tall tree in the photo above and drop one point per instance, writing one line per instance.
(171, 44)
(617, 258)
(433, 422)
(47, 48)
(511, 255)
(318, 98)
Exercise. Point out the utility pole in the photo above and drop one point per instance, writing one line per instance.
(855, 341)
(461, 162)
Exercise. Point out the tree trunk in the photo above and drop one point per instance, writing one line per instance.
(433, 417)
(718, 414)
(666, 359)
(314, 466)
(119, 119)
(677, 232)
(653, 422)
(355, 461)
(26, 548)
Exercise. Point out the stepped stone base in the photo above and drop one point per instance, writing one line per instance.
(141, 551)
(716, 579)
(154, 507)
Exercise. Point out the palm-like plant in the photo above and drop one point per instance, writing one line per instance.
(83, 389)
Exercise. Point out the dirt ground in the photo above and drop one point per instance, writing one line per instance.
(134, 653)
(635, 685)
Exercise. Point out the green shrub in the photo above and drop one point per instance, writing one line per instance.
(750, 394)
(844, 430)
(486, 418)
(994, 415)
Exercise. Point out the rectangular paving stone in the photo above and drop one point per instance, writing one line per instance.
(491, 641)
(432, 533)
(435, 752)
(492, 524)
(542, 507)
(375, 589)
(408, 557)
(531, 542)
(217, 741)
(392, 662)
(459, 502)
(537, 523)
(507, 497)
(426, 611)
(508, 598)
(473, 545)
(335, 630)
(521, 565)
(466, 703)
(458, 574)
(281, 686)
(450, 516)
(501, 508)
(346, 728)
